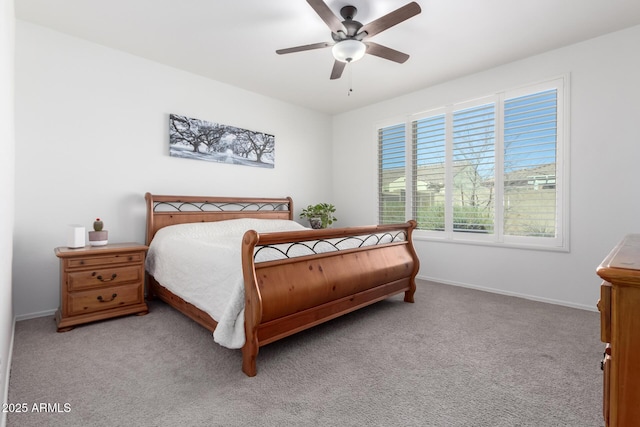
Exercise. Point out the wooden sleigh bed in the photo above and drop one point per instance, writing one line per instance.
(288, 295)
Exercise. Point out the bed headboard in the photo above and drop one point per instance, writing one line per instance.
(169, 210)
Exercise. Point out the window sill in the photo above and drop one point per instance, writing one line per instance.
(425, 236)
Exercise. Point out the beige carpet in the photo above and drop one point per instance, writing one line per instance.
(457, 357)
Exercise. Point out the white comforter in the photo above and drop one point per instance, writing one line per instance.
(201, 263)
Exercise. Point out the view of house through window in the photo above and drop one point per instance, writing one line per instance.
(392, 182)
(487, 168)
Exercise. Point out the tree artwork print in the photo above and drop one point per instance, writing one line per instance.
(198, 139)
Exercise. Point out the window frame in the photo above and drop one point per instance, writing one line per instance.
(498, 238)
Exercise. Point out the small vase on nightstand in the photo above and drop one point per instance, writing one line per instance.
(98, 237)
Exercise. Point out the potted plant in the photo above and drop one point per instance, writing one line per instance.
(319, 215)
(98, 237)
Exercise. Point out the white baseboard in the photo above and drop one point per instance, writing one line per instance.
(511, 294)
(5, 386)
(35, 315)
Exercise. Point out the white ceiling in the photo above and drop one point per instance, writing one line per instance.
(234, 41)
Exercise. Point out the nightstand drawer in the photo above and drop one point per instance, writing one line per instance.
(135, 257)
(101, 277)
(104, 299)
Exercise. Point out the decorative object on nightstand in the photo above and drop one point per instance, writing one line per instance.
(98, 237)
(75, 236)
(100, 282)
(320, 215)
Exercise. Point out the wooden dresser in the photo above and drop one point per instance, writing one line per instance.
(619, 307)
(100, 282)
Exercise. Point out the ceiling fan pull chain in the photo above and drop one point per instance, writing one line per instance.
(350, 80)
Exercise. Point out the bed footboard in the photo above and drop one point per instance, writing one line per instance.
(294, 293)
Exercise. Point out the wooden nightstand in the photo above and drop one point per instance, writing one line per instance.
(100, 282)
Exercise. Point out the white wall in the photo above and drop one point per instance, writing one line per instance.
(92, 138)
(604, 170)
(7, 145)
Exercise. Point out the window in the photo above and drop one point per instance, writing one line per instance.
(428, 159)
(392, 186)
(488, 170)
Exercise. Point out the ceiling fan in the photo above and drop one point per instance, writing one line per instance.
(351, 38)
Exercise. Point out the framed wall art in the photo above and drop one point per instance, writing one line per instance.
(214, 142)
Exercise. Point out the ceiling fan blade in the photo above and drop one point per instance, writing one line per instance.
(397, 16)
(332, 21)
(303, 48)
(338, 68)
(386, 52)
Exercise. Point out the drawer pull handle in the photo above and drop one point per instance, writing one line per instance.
(102, 279)
(103, 300)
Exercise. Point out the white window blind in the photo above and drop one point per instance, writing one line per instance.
(392, 184)
(428, 154)
(530, 143)
(473, 169)
(487, 170)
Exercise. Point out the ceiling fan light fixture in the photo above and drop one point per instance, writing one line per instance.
(348, 34)
(349, 50)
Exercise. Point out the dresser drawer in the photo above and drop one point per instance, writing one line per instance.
(80, 262)
(606, 384)
(104, 298)
(604, 306)
(101, 277)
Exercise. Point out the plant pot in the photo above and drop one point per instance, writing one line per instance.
(98, 238)
(316, 223)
